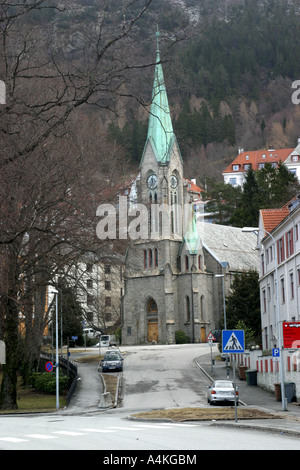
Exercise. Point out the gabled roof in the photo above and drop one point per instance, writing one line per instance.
(259, 156)
(230, 245)
(272, 217)
(192, 187)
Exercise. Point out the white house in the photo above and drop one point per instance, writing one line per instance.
(279, 252)
(235, 173)
(284, 225)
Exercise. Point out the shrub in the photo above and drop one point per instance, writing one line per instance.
(46, 382)
(181, 337)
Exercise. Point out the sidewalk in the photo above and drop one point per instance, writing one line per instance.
(256, 397)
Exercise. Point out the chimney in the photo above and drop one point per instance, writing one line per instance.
(241, 150)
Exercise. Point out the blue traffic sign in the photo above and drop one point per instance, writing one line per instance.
(233, 341)
(276, 352)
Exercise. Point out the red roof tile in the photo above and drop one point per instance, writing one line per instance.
(272, 217)
(194, 188)
(256, 156)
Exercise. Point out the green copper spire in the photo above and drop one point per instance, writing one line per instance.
(192, 237)
(160, 129)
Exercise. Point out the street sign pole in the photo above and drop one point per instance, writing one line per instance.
(233, 341)
(234, 388)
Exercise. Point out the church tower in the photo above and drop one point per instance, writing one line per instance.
(161, 168)
(160, 294)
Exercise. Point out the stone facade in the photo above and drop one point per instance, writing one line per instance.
(170, 282)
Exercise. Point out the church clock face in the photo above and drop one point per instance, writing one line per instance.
(173, 182)
(152, 181)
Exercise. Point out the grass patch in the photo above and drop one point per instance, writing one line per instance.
(29, 400)
(205, 414)
(111, 382)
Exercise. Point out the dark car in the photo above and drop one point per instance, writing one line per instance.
(112, 361)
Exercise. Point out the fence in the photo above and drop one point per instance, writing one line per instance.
(267, 368)
(68, 366)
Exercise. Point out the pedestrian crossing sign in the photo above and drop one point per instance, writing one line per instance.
(233, 341)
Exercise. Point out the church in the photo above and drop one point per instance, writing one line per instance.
(176, 278)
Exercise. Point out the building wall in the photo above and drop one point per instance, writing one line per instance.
(288, 275)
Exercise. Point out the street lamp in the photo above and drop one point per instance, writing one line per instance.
(257, 229)
(54, 291)
(224, 309)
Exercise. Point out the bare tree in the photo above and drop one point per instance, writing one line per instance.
(49, 185)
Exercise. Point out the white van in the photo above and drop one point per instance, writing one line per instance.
(104, 341)
(90, 333)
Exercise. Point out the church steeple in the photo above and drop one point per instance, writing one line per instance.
(160, 128)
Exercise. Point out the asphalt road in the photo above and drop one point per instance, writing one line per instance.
(163, 377)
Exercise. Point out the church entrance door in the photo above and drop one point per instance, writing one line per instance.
(152, 330)
(152, 321)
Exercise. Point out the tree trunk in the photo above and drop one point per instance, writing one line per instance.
(8, 396)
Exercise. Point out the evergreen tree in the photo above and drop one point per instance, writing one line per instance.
(243, 304)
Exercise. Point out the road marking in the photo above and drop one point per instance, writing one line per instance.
(95, 430)
(40, 436)
(121, 428)
(12, 439)
(178, 424)
(69, 433)
(153, 426)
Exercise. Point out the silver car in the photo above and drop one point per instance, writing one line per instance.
(221, 391)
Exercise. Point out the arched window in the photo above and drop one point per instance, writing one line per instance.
(152, 307)
(202, 312)
(186, 262)
(145, 260)
(200, 262)
(155, 257)
(150, 259)
(187, 309)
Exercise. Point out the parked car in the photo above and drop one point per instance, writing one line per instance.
(107, 340)
(112, 361)
(221, 391)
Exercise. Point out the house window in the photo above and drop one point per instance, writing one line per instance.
(89, 267)
(89, 283)
(282, 290)
(107, 285)
(236, 167)
(264, 301)
(107, 269)
(232, 181)
(247, 167)
(295, 158)
(280, 250)
(292, 286)
(289, 243)
(145, 259)
(89, 300)
(261, 166)
(262, 264)
(108, 316)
